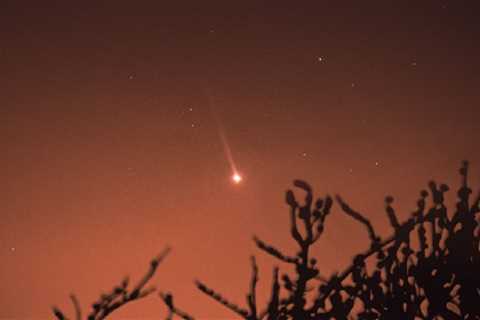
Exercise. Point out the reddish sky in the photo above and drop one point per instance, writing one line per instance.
(111, 120)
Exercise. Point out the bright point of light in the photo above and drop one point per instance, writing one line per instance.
(237, 178)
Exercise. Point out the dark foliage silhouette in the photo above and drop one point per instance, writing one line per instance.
(436, 278)
(427, 269)
(118, 297)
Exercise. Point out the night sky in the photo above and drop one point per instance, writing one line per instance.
(120, 122)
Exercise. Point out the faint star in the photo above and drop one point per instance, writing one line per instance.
(414, 64)
(304, 154)
(131, 172)
(12, 249)
(193, 125)
(350, 170)
(320, 59)
(377, 163)
(353, 84)
(131, 76)
(190, 109)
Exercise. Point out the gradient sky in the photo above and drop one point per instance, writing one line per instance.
(111, 120)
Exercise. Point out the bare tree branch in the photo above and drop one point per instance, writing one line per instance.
(252, 297)
(273, 251)
(168, 300)
(76, 305)
(216, 296)
(357, 216)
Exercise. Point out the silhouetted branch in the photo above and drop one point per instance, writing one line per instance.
(153, 268)
(252, 297)
(273, 251)
(59, 314)
(273, 306)
(216, 296)
(119, 295)
(168, 300)
(293, 219)
(357, 216)
(391, 213)
(76, 305)
(306, 187)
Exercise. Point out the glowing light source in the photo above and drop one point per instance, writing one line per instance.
(236, 178)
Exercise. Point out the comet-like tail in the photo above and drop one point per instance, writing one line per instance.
(222, 135)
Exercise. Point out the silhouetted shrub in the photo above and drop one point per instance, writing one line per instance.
(435, 279)
(119, 296)
(427, 269)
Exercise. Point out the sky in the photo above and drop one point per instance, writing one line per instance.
(122, 123)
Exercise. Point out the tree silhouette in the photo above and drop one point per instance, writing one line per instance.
(427, 269)
(436, 279)
(118, 297)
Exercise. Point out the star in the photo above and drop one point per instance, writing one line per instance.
(237, 178)
(131, 172)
